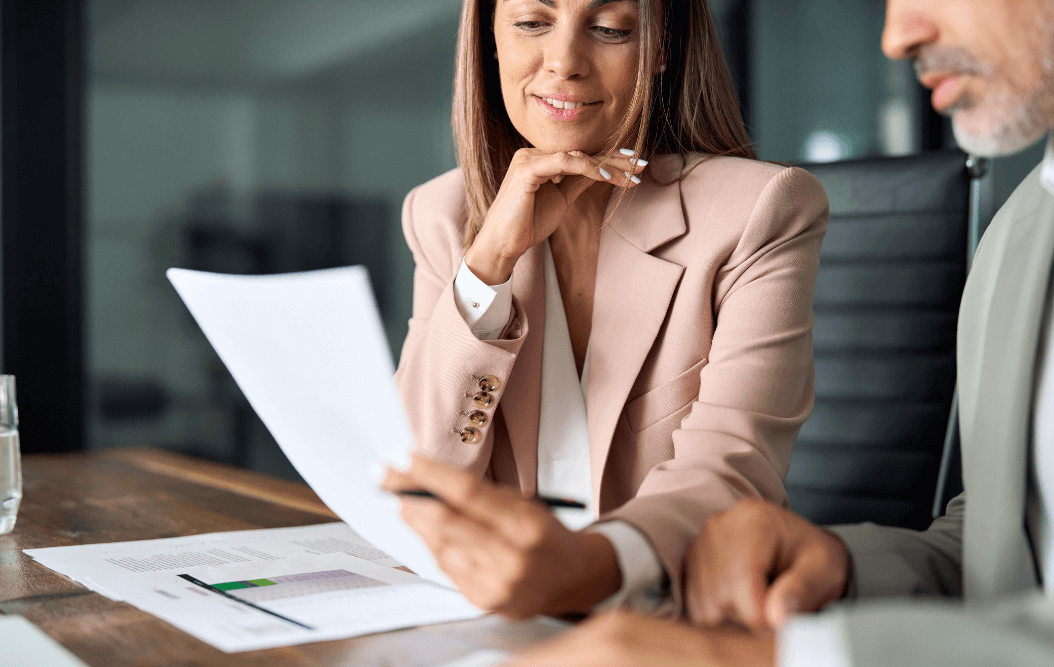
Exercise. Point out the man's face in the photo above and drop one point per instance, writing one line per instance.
(990, 64)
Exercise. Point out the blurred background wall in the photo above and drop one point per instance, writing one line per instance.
(276, 135)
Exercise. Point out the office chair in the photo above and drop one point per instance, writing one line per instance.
(892, 271)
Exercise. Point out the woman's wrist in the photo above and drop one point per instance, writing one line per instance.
(599, 577)
(489, 264)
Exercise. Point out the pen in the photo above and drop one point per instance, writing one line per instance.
(202, 584)
(549, 501)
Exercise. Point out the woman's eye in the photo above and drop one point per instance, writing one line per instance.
(529, 26)
(612, 33)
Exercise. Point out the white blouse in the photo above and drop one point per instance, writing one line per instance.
(563, 436)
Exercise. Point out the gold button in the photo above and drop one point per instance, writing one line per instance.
(469, 435)
(477, 418)
(489, 383)
(481, 400)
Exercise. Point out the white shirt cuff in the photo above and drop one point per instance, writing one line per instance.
(642, 572)
(813, 641)
(485, 308)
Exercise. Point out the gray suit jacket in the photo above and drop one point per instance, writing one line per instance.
(980, 549)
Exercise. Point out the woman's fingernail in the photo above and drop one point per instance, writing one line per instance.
(400, 461)
(631, 177)
(605, 174)
(640, 162)
(627, 151)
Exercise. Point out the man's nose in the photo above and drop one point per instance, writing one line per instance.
(908, 27)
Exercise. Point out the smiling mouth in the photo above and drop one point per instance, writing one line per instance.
(562, 104)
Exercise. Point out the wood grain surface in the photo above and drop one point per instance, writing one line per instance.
(122, 495)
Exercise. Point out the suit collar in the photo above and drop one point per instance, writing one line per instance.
(997, 557)
(660, 196)
(634, 290)
(1046, 174)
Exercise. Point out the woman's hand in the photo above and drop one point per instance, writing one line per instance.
(506, 554)
(538, 191)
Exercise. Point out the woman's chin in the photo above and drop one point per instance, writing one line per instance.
(556, 144)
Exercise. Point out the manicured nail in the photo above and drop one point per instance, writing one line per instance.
(631, 177)
(604, 173)
(640, 162)
(400, 461)
(626, 151)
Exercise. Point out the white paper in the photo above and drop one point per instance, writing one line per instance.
(309, 353)
(297, 574)
(25, 645)
(336, 596)
(95, 564)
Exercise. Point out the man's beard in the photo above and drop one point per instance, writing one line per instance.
(1017, 122)
(1011, 121)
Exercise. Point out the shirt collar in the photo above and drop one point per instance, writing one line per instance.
(1046, 174)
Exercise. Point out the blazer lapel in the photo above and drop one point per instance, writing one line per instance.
(633, 292)
(997, 556)
(521, 401)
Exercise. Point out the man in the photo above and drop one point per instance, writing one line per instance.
(990, 64)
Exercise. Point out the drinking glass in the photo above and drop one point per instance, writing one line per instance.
(10, 456)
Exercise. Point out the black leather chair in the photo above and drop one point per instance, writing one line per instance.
(893, 266)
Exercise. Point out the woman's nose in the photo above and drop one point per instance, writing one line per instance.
(908, 27)
(565, 56)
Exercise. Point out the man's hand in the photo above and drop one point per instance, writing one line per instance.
(757, 564)
(505, 553)
(626, 640)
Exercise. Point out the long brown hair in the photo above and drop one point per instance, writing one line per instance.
(691, 107)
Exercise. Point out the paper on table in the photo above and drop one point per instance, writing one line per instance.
(97, 565)
(309, 353)
(310, 599)
(314, 582)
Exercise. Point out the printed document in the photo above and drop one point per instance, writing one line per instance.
(257, 589)
(309, 353)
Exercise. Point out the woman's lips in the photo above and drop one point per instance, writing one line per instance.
(563, 109)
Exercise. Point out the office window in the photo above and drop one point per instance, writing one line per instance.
(244, 136)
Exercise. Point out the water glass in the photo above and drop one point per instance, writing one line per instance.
(10, 456)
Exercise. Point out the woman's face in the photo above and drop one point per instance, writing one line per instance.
(568, 69)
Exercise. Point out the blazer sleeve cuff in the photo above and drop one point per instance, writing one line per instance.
(485, 308)
(642, 573)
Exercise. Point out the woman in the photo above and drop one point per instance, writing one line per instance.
(590, 323)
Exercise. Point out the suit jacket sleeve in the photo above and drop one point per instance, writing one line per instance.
(897, 562)
(442, 360)
(1018, 632)
(757, 385)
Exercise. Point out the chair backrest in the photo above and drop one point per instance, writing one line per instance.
(893, 266)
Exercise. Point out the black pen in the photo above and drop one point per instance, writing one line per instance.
(548, 501)
(202, 584)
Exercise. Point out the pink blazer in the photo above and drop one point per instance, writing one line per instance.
(700, 355)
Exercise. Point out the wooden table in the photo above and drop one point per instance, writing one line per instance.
(121, 495)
